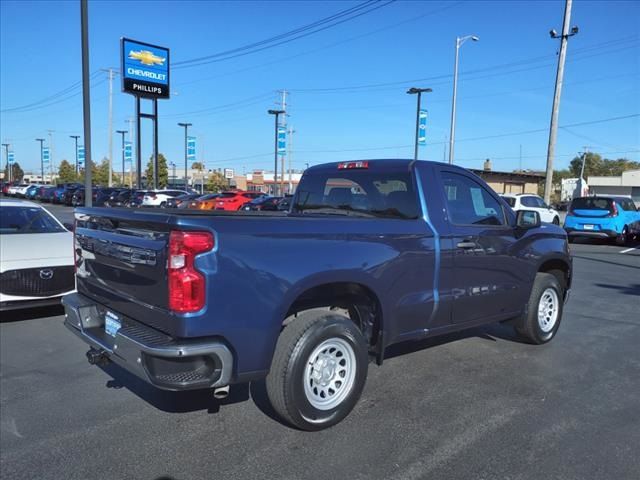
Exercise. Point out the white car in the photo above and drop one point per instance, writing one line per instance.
(36, 256)
(16, 190)
(158, 198)
(527, 201)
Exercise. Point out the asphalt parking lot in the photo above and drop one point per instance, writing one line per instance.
(473, 405)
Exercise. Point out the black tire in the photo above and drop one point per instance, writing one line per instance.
(624, 237)
(286, 380)
(528, 325)
(556, 221)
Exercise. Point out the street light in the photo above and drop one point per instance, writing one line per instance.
(41, 140)
(186, 126)
(76, 137)
(123, 133)
(419, 92)
(277, 113)
(452, 133)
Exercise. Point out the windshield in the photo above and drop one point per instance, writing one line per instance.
(21, 220)
(358, 193)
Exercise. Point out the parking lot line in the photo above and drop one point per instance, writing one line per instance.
(629, 249)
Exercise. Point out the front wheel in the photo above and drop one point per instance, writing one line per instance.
(544, 311)
(556, 221)
(318, 370)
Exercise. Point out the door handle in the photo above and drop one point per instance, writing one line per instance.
(467, 243)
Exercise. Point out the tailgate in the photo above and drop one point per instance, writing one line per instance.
(121, 257)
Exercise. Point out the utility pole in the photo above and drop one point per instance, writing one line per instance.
(553, 130)
(290, 154)
(520, 160)
(419, 92)
(123, 133)
(86, 101)
(276, 113)
(41, 140)
(6, 151)
(186, 127)
(76, 137)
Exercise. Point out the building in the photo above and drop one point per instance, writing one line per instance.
(510, 182)
(626, 185)
(260, 181)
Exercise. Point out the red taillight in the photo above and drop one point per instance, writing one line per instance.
(614, 210)
(186, 284)
(350, 165)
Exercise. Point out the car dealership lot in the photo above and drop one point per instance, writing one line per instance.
(471, 405)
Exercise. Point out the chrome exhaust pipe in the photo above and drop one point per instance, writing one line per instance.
(221, 393)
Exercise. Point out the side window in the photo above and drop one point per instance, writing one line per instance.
(469, 203)
(529, 202)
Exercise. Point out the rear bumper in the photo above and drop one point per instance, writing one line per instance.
(160, 360)
(7, 305)
(572, 232)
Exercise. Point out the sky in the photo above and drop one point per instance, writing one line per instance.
(346, 84)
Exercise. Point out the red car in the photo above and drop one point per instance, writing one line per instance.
(235, 200)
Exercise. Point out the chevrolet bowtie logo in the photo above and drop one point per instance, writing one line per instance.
(146, 57)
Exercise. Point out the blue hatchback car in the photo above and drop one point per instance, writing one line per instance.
(603, 217)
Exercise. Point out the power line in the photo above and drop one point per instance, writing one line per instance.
(30, 106)
(491, 68)
(301, 32)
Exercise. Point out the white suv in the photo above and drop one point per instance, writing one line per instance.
(526, 201)
(158, 198)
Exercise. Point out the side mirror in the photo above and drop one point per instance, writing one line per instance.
(69, 226)
(527, 219)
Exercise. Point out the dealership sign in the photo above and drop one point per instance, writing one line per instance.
(145, 69)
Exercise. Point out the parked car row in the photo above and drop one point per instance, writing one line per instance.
(73, 194)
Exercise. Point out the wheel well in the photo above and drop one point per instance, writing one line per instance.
(356, 300)
(559, 268)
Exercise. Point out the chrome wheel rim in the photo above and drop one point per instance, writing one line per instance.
(329, 374)
(548, 309)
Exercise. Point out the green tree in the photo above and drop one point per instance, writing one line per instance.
(100, 173)
(197, 166)
(163, 171)
(16, 172)
(595, 165)
(67, 172)
(216, 182)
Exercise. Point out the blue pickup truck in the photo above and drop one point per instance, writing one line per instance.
(371, 253)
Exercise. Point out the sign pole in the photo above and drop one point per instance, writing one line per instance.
(155, 143)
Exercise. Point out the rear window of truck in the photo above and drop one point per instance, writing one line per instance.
(358, 193)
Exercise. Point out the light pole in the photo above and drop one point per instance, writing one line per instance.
(419, 92)
(452, 133)
(186, 127)
(41, 140)
(6, 151)
(276, 113)
(76, 137)
(123, 133)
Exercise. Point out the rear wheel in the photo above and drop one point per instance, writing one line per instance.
(623, 238)
(318, 370)
(556, 220)
(544, 310)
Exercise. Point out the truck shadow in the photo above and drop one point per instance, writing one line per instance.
(199, 400)
(189, 401)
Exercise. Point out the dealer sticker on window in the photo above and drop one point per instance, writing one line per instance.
(111, 323)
